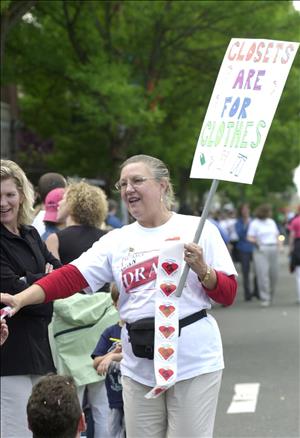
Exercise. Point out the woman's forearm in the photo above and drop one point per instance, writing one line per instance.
(32, 295)
(61, 283)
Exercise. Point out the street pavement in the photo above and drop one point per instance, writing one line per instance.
(261, 346)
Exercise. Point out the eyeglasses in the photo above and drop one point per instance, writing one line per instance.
(135, 182)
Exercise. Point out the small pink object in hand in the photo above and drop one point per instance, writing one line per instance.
(5, 312)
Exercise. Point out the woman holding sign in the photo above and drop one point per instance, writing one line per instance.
(172, 366)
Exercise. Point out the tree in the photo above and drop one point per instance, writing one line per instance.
(11, 13)
(105, 80)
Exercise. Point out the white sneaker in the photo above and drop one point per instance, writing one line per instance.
(265, 303)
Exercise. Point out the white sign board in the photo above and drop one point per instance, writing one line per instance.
(241, 109)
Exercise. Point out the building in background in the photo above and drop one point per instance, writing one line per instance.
(9, 121)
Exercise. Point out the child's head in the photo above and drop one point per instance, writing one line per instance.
(53, 408)
(114, 294)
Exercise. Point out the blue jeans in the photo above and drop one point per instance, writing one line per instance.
(245, 259)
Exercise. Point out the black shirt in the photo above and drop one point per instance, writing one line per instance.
(76, 239)
(22, 261)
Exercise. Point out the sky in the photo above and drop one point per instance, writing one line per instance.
(297, 179)
(296, 5)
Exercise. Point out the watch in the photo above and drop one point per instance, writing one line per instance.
(207, 274)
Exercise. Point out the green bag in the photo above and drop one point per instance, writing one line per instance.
(77, 324)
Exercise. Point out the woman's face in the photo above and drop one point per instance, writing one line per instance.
(10, 203)
(142, 194)
(63, 209)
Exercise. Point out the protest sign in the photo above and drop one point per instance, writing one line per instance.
(241, 109)
(239, 115)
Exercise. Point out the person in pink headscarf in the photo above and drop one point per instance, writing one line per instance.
(51, 220)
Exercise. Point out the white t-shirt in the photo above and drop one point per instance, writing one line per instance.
(129, 256)
(38, 222)
(229, 226)
(264, 231)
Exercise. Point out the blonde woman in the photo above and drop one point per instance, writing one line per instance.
(26, 354)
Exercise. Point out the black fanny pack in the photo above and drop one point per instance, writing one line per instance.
(141, 333)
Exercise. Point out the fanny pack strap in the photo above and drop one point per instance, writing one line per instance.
(191, 318)
(184, 321)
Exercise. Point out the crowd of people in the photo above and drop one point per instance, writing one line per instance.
(254, 242)
(80, 285)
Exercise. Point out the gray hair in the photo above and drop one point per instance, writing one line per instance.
(11, 170)
(160, 172)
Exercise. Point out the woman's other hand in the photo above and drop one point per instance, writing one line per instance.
(12, 301)
(48, 268)
(3, 331)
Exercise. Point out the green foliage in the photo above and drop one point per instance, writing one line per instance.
(4, 5)
(109, 79)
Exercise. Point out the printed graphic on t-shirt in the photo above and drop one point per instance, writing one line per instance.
(114, 376)
(140, 273)
(139, 267)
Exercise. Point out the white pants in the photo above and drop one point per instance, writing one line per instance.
(15, 391)
(98, 402)
(186, 410)
(266, 268)
(297, 273)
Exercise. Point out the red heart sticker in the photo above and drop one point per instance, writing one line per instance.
(158, 390)
(166, 373)
(169, 267)
(166, 330)
(167, 309)
(167, 288)
(166, 352)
